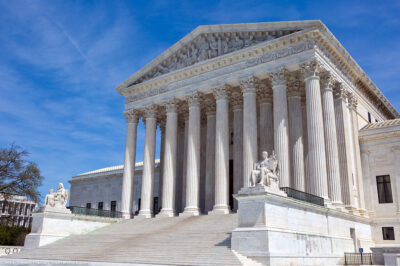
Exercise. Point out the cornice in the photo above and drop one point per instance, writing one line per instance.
(318, 38)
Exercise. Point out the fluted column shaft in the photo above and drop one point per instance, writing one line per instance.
(249, 129)
(129, 164)
(296, 139)
(357, 153)
(185, 153)
(146, 210)
(267, 125)
(161, 166)
(169, 171)
(331, 144)
(221, 152)
(281, 137)
(307, 183)
(344, 145)
(210, 158)
(237, 106)
(316, 140)
(193, 158)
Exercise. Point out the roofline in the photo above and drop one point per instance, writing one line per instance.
(111, 170)
(216, 28)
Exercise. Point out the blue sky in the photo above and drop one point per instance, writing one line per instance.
(60, 62)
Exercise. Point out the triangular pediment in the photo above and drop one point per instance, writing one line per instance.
(208, 42)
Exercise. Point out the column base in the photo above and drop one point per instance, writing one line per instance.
(126, 215)
(190, 211)
(220, 210)
(166, 213)
(144, 214)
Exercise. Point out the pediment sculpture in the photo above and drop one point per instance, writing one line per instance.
(210, 45)
(57, 199)
(265, 172)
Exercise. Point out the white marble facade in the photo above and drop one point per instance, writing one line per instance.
(380, 156)
(224, 94)
(105, 185)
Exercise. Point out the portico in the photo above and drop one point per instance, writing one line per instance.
(232, 94)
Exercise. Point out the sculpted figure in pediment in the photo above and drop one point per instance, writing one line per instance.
(213, 52)
(203, 47)
(248, 39)
(237, 43)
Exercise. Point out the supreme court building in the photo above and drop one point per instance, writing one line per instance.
(224, 94)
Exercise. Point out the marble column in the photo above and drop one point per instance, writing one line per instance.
(344, 144)
(250, 153)
(331, 146)
(237, 107)
(146, 208)
(132, 119)
(357, 153)
(296, 134)
(179, 163)
(210, 155)
(266, 126)
(221, 205)
(169, 161)
(281, 137)
(193, 158)
(369, 182)
(316, 140)
(185, 153)
(161, 125)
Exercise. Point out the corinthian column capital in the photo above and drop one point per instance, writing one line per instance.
(327, 81)
(263, 89)
(151, 111)
(172, 105)
(248, 85)
(279, 77)
(209, 106)
(132, 116)
(339, 91)
(221, 92)
(236, 100)
(294, 85)
(353, 102)
(194, 99)
(311, 69)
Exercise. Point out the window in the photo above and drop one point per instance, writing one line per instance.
(21, 207)
(4, 207)
(388, 233)
(100, 206)
(113, 206)
(384, 189)
(88, 205)
(369, 117)
(376, 120)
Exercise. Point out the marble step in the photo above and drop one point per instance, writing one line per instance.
(202, 240)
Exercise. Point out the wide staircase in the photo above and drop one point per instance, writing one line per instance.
(202, 240)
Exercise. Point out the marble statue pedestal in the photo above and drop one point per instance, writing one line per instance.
(50, 224)
(278, 230)
(389, 255)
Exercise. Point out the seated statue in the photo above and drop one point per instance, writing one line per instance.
(57, 199)
(265, 172)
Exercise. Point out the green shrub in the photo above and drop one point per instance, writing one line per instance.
(13, 235)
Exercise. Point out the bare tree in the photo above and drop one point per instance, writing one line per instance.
(18, 176)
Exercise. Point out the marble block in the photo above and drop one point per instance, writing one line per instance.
(277, 230)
